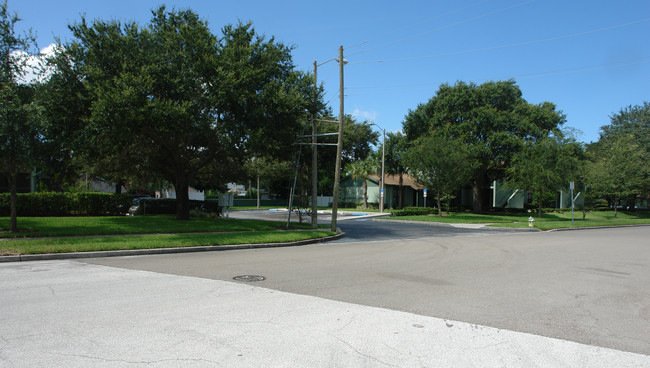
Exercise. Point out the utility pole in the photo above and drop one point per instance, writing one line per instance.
(339, 146)
(383, 175)
(314, 157)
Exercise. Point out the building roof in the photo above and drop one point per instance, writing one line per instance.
(407, 181)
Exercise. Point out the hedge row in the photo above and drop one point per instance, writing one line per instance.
(415, 211)
(168, 206)
(66, 204)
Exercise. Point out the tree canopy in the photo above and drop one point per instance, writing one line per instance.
(545, 165)
(170, 99)
(440, 163)
(618, 167)
(19, 132)
(492, 120)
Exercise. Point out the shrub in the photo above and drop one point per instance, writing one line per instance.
(415, 211)
(168, 206)
(65, 204)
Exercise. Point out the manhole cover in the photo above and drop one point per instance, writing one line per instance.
(249, 278)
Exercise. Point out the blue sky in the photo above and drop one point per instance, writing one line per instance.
(590, 58)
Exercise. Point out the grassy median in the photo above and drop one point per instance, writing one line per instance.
(548, 221)
(84, 234)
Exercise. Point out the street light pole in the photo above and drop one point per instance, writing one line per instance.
(339, 145)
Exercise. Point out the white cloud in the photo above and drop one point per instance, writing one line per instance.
(35, 69)
(365, 115)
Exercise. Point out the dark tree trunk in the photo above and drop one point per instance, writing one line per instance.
(13, 198)
(118, 186)
(365, 194)
(401, 191)
(477, 194)
(182, 200)
(439, 207)
(541, 195)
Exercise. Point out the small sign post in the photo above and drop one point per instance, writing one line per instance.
(572, 186)
(425, 197)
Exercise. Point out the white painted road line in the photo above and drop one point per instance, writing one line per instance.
(66, 313)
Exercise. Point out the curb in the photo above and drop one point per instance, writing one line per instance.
(140, 252)
(597, 227)
(433, 223)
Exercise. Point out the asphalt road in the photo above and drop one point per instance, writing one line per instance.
(387, 295)
(587, 286)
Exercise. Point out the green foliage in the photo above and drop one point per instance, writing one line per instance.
(172, 101)
(168, 206)
(396, 146)
(618, 169)
(439, 162)
(358, 139)
(491, 119)
(18, 124)
(414, 211)
(360, 170)
(274, 175)
(64, 204)
(545, 165)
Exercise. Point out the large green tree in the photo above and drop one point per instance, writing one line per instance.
(619, 167)
(618, 170)
(439, 162)
(64, 103)
(18, 130)
(545, 165)
(492, 120)
(170, 99)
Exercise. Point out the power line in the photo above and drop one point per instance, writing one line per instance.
(447, 26)
(526, 43)
(566, 71)
(415, 25)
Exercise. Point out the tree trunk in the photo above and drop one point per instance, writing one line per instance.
(401, 191)
(477, 194)
(258, 191)
(182, 199)
(13, 198)
(539, 199)
(118, 186)
(616, 200)
(439, 207)
(365, 194)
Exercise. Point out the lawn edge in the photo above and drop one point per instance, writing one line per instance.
(138, 252)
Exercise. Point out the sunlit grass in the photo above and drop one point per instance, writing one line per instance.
(112, 225)
(128, 242)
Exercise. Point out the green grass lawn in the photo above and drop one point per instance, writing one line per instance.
(127, 242)
(112, 225)
(84, 234)
(547, 222)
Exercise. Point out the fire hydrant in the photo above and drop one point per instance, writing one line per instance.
(531, 223)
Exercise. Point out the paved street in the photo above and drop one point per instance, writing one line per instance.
(408, 296)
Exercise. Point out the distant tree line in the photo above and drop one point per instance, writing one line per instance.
(469, 134)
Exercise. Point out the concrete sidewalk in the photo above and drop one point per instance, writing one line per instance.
(67, 313)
